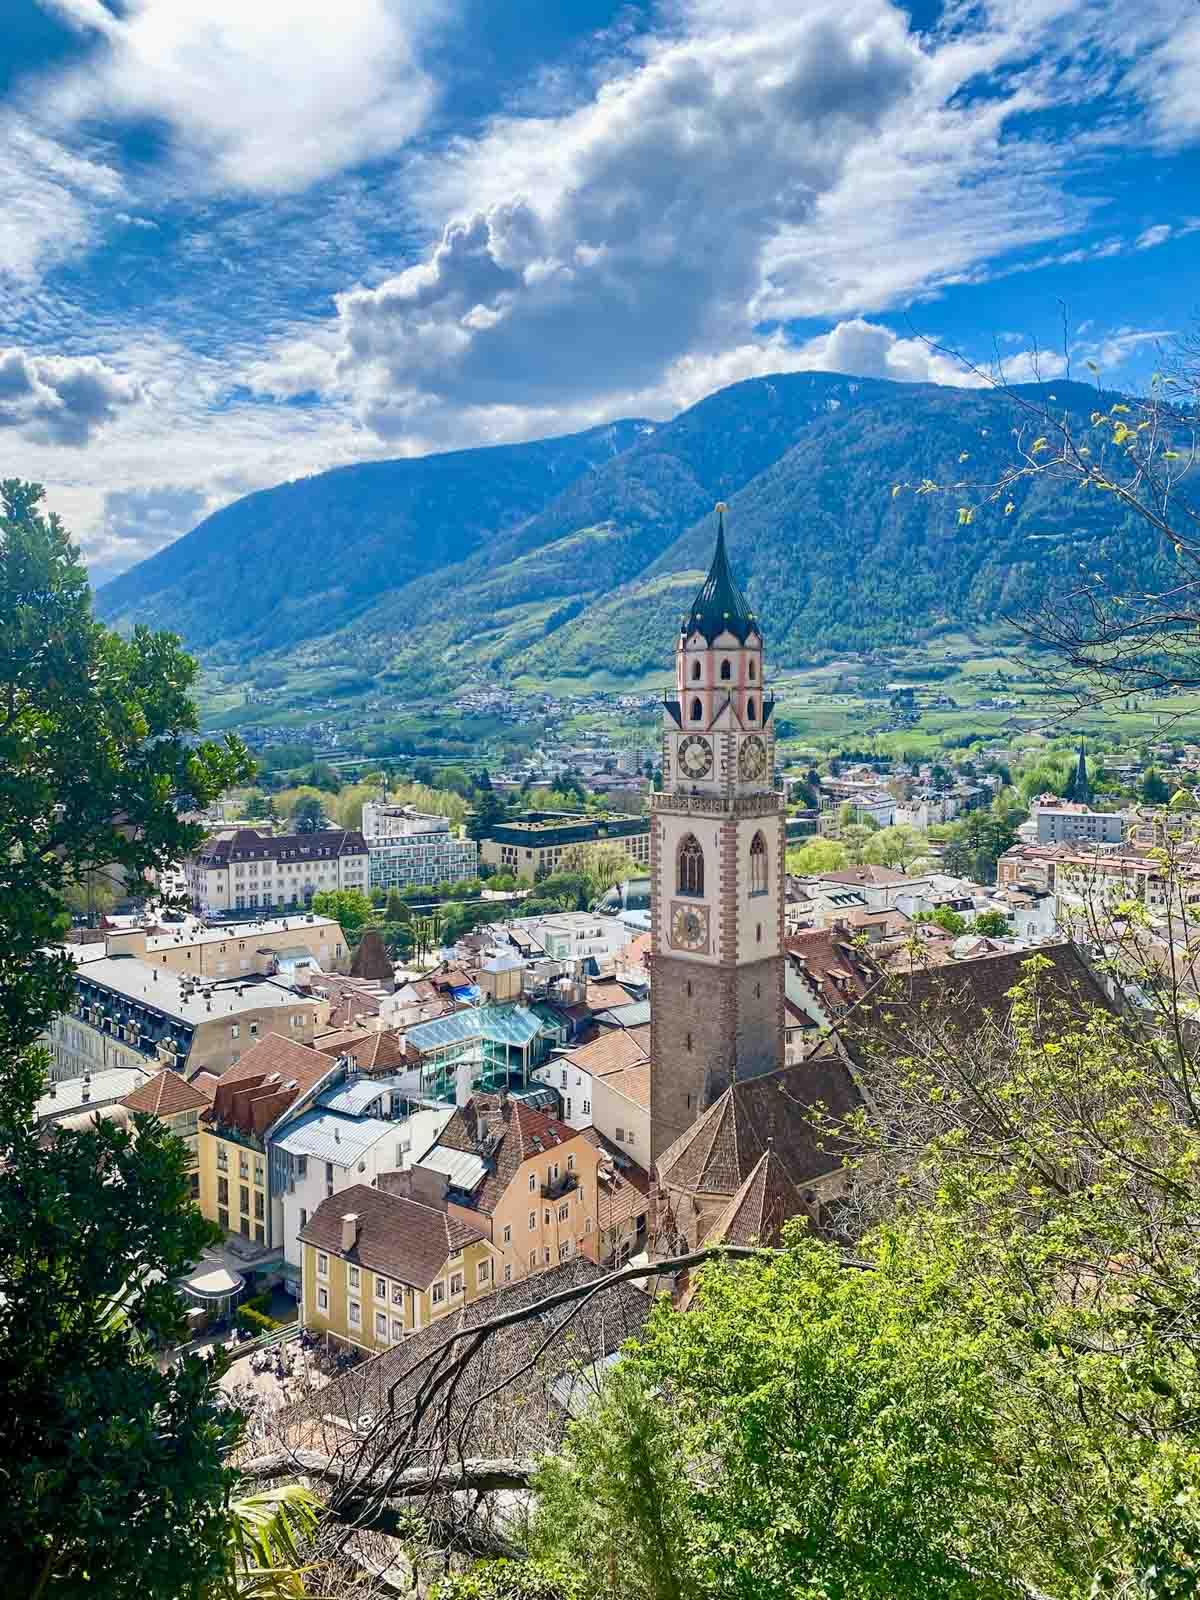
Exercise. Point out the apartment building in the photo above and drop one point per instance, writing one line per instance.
(407, 847)
(1073, 823)
(178, 1105)
(264, 945)
(536, 841)
(131, 1013)
(275, 1077)
(379, 1266)
(246, 870)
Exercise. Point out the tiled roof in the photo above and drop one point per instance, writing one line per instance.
(717, 1153)
(247, 844)
(720, 607)
(165, 1095)
(259, 1088)
(766, 1200)
(859, 877)
(613, 1051)
(507, 1132)
(398, 1237)
(633, 1082)
(372, 1052)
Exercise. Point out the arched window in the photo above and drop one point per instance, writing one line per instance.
(751, 669)
(691, 866)
(758, 865)
(697, 710)
(696, 671)
(725, 671)
(750, 711)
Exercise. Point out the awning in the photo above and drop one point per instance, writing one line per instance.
(214, 1283)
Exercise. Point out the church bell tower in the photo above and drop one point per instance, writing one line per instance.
(716, 865)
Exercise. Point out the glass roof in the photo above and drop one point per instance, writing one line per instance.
(514, 1025)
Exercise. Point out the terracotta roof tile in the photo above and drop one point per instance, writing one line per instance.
(612, 1051)
(510, 1132)
(165, 1095)
(270, 1077)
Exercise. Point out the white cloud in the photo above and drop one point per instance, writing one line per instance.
(260, 96)
(61, 400)
(47, 197)
(1158, 234)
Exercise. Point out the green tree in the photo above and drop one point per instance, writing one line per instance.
(1154, 792)
(896, 847)
(993, 923)
(307, 814)
(395, 909)
(944, 917)
(351, 908)
(817, 856)
(489, 810)
(115, 1483)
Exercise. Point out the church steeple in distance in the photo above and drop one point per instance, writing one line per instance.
(1080, 789)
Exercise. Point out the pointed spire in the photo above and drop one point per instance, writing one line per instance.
(1081, 786)
(720, 606)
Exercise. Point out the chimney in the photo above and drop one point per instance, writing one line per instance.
(349, 1230)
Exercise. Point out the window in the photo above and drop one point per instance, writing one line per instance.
(546, 1255)
(355, 1314)
(254, 1030)
(438, 1293)
(223, 1218)
(690, 864)
(258, 1204)
(322, 1265)
(259, 1236)
(532, 1221)
(397, 1294)
(620, 1135)
(532, 1260)
(697, 710)
(483, 1271)
(532, 1182)
(381, 1324)
(587, 1224)
(245, 1197)
(381, 1288)
(687, 1041)
(568, 1116)
(564, 1080)
(758, 864)
(508, 1233)
(570, 1163)
(564, 1212)
(322, 1299)
(456, 1283)
(223, 1191)
(554, 1173)
(564, 1250)
(751, 713)
(352, 1277)
(758, 933)
(508, 1274)
(222, 1158)
(235, 1032)
(696, 670)
(751, 669)
(397, 1328)
(303, 1217)
(587, 1108)
(726, 669)
(547, 1216)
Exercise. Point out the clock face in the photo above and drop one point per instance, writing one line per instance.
(752, 758)
(695, 756)
(689, 927)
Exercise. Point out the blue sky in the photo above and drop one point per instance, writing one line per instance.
(245, 240)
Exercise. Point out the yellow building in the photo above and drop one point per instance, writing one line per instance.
(235, 1178)
(378, 1266)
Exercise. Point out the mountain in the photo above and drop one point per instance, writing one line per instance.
(293, 562)
(578, 555)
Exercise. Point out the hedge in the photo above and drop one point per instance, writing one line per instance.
(255, 1321)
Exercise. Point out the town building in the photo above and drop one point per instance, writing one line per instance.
(620, 1109)
(407, 847)
(378, 1267)
(717, 865)
(534, 843)
(1071, 822)
(270, 946)
(526, 1180)
(88, 1093)
(236, 1192)
(246, 870)
(177, 1104)
(127, 1012)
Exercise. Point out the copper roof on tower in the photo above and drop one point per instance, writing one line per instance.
(720, 607)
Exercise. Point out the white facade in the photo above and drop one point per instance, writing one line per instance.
(575, 1087)
(1076, 824)
(401, 862)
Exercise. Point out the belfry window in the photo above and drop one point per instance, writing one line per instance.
(751, 669)
(726, 670)
(697, 710)
(691, 866)
(696, 671)
(758, 865)
(751, 713)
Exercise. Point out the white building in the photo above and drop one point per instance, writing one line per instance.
(248, 871)
(1070, 823)
(353, 1133)
(409, 847)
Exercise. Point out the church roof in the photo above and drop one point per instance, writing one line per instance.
(762, 1205)
(719, 1151)
(720, 607)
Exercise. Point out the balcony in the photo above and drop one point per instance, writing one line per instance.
(560, 1186)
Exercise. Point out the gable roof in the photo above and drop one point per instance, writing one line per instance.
(398, 1237)
(165, 1095)
(504, 1133)
(612, 1051)
(269, 1078)
(718, 1152)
